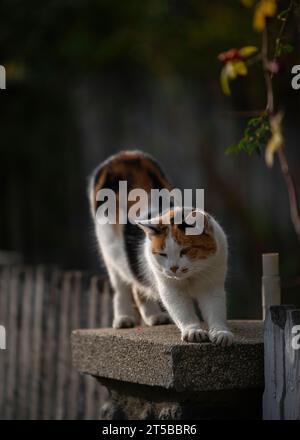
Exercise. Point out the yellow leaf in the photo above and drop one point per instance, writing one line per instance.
(276, 141)
(264, 9)
(240, 68)
(224, 79)
(230, 71)
(247, 51)
(259, 22)
(269, 7)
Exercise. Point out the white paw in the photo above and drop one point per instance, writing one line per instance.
(221, 337)
(159, 319)
(194, 335)
(124, 322)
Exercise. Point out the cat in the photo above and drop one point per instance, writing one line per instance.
(157, 265)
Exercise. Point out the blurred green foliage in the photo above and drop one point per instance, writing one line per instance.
(159, 36)
(255, 137)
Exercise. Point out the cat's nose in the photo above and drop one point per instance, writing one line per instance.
(174, 268)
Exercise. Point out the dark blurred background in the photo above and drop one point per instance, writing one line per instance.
(87, 78)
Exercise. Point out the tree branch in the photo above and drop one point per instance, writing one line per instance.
(284, 165)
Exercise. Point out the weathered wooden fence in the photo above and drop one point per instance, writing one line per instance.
(281, 399)
(39, 308)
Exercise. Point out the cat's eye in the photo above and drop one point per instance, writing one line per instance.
(162, 254)
(184, 251)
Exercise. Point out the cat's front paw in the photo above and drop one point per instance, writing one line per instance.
(221, 337)
(159, 319)
(124, 321)
(194, 335)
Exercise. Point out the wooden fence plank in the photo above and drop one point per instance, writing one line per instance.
(292, 367)
(73, 398)
(37, 343)
(281, 400)
(25, 344)
(4, 291)
(49, 355)
(90, 383)
(273, 398)
(105, 320)
(12, 334)
(63, 346)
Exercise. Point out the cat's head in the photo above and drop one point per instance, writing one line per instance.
(174, 252)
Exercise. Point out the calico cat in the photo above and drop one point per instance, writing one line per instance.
(154, 263)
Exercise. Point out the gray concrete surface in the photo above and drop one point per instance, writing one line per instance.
(156, 356)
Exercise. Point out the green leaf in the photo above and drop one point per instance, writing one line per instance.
(255, 137)
(283, 47)
(283, 14)
(236, 148)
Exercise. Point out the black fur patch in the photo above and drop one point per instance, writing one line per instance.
(134, 238)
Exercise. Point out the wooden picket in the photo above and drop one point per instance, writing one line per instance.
(39, 308)
(281, 400)
(292, 367)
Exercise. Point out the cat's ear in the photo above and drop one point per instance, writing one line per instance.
(148, 227)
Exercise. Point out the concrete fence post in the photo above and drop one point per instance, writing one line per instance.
(271, 294)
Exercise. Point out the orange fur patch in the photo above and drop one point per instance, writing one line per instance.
(198, 246)
(134, 167)
(158, 241)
